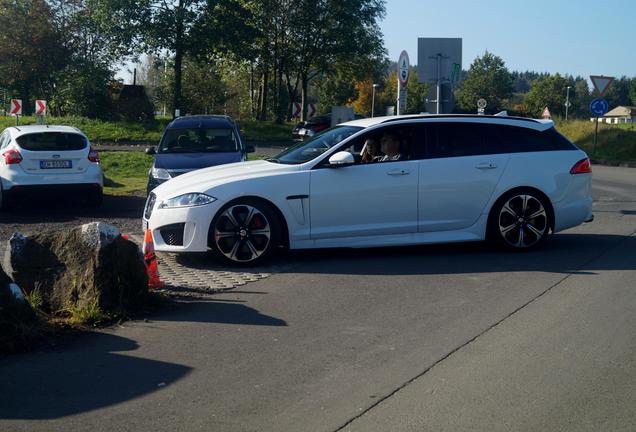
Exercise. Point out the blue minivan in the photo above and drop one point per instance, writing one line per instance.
(194, 142)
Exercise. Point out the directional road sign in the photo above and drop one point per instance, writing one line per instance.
(40, 107)
(599, 107)
(311, 110)
(403, 68)
(296, 110)
(601, 83)
(16, 107)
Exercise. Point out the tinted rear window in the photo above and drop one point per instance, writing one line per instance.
(522, 139)
(52, 141)
(199, 140)
(456, 139)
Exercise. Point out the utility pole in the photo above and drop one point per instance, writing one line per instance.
(567, 102)
(373, 100)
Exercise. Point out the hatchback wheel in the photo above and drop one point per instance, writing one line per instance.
(244, 232)
(520, 221)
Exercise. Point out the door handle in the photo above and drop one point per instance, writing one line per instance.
(398, 172)
(486, 166)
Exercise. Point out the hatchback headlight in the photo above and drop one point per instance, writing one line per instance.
(187, 200)
(160, 173)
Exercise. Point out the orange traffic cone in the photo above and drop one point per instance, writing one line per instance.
(150, 259)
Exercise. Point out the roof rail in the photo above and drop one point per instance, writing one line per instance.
(459, 116)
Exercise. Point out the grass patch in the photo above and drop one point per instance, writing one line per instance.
(99, 130)
(616, 143)
(125, 173)
(108, 131)
(89, 314)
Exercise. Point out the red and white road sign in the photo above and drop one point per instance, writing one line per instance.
(296, 110)
(40, 107)
(311, 110)
(546, 113)
(601, 83)
(16, 107)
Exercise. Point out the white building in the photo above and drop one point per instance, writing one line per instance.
(620, 114)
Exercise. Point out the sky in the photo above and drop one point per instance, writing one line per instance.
(577, 37)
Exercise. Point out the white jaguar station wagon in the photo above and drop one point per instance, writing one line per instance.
(384, 181)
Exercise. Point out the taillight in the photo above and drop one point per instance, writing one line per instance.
(12, 156)
(93, 155)
(582, 167)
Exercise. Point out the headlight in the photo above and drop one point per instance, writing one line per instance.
(311, 132)
(160, 173)
(187, 200)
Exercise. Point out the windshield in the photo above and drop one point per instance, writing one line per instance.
(199, 140)
(52, 141)
(316, 146)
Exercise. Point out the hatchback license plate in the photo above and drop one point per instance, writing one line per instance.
(55, 164)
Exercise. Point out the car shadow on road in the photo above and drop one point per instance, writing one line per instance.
(51, 385)
(562, 253)
(65, 209)
(219, 312)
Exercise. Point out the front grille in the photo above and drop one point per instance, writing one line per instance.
(150, 204)
(172, 234)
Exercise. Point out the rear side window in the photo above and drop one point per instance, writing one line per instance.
(52, 141)
(522, 139)
(449, 139)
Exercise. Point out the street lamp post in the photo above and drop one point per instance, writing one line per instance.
(567, 102)
(373, 100)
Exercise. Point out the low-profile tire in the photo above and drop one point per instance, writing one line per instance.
(245, 232)
(520, 220)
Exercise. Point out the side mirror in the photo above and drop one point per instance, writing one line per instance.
(249, 149)
(151, 151)
(341, 159)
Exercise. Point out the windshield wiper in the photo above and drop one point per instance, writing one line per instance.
(274, 160)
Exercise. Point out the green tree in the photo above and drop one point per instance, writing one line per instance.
(548, 91)
(618, 92)
(632, 92)
(332, 32)
(181, 28)
(487, 78)
(31, 50)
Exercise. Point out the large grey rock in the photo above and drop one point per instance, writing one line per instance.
(19, 325)
(82, 267)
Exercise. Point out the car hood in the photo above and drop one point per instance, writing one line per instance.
(172, 161)
(207, 178)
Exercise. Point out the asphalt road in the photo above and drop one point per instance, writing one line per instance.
(454, 337)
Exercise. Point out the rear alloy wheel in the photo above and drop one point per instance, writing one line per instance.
(245, 232)
(522, 221)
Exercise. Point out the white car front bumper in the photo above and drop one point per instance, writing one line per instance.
(193, 222)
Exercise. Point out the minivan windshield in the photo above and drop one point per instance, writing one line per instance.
(199, 140)
(52, 141)
(308, 150)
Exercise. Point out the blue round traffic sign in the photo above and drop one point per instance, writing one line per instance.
(599, 107)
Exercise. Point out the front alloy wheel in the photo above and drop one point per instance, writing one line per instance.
(522, 221)
(245, 233)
